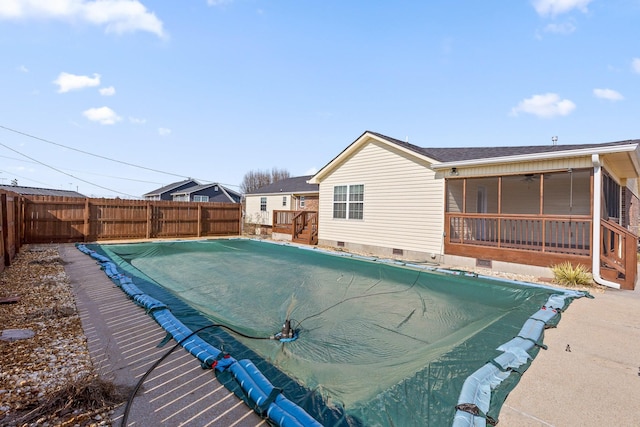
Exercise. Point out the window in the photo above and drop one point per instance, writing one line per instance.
(356, 201)
(340, 201)
(284, 200)
(200, 198)
(263, 204)
(348, 201)
(301, 202)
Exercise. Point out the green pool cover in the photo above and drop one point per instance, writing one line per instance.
(378, 344)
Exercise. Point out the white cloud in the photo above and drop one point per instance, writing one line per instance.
(565, 28)
(118, 16)
(107, 91)
(164, 131)
(137, 121)
(558, 7)
(102, 115)
(67, 82)
(635, 65)
(23, 69)
(218, 2)
(609, 94)
(546, 105)
(311, 171)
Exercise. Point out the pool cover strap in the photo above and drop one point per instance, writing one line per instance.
(165, 340)
(262, 409)
(537, 343)
(503, 369)
(476, 412)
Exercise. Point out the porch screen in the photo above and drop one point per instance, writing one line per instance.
(567, 193)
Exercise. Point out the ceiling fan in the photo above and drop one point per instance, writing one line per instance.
(530, 177)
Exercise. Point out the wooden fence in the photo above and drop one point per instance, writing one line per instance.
(9, 228)
(50, 219)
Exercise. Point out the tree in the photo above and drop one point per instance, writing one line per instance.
(255, 179)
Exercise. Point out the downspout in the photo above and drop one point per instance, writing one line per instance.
(597, 197)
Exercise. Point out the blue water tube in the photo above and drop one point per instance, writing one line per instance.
(268, 399)
(475, 396)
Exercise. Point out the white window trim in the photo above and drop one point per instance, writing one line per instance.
(348, 202)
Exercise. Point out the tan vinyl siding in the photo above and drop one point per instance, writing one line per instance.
(402, 201)
(274, 202)
(527, 167)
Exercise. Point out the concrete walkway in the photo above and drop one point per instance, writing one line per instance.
(590, 375)
(123, 343)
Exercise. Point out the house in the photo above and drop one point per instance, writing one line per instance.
(164, 193)
(35, 191)
(277, 206)
(518, 208)
(191, 190)
(207, 193)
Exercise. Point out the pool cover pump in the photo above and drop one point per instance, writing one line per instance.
(287, 334)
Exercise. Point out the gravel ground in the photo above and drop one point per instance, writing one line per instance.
(48, 379)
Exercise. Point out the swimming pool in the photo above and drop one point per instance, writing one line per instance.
(378, 343)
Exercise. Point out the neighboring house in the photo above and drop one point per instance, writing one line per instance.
(35, 191)
(289, 194)
(498, 207)
(207, 193)
(164, 193)
(282, 205)
(191, 190)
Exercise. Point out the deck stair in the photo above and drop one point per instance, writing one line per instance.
(618, 259)
(305, 228)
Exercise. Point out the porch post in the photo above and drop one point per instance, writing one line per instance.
(597, 240)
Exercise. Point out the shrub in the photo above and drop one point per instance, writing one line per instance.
(566, 274)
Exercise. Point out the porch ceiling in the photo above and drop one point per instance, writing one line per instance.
(624, 164)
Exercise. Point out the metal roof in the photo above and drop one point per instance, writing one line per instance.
(35, 191)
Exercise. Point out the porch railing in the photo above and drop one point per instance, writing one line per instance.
(541, 233)
(282, 222)
(555, 238)
(618, 259)
(301, 225)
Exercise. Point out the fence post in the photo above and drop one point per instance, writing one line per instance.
(199, 226)
(149, 213)
(87, 220)
(4, 232)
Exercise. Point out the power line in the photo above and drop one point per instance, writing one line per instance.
(89, 173)
(68, 174)
(22, 177)
(108, 158)
(90, 154)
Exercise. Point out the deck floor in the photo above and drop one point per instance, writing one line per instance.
(123, 342)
